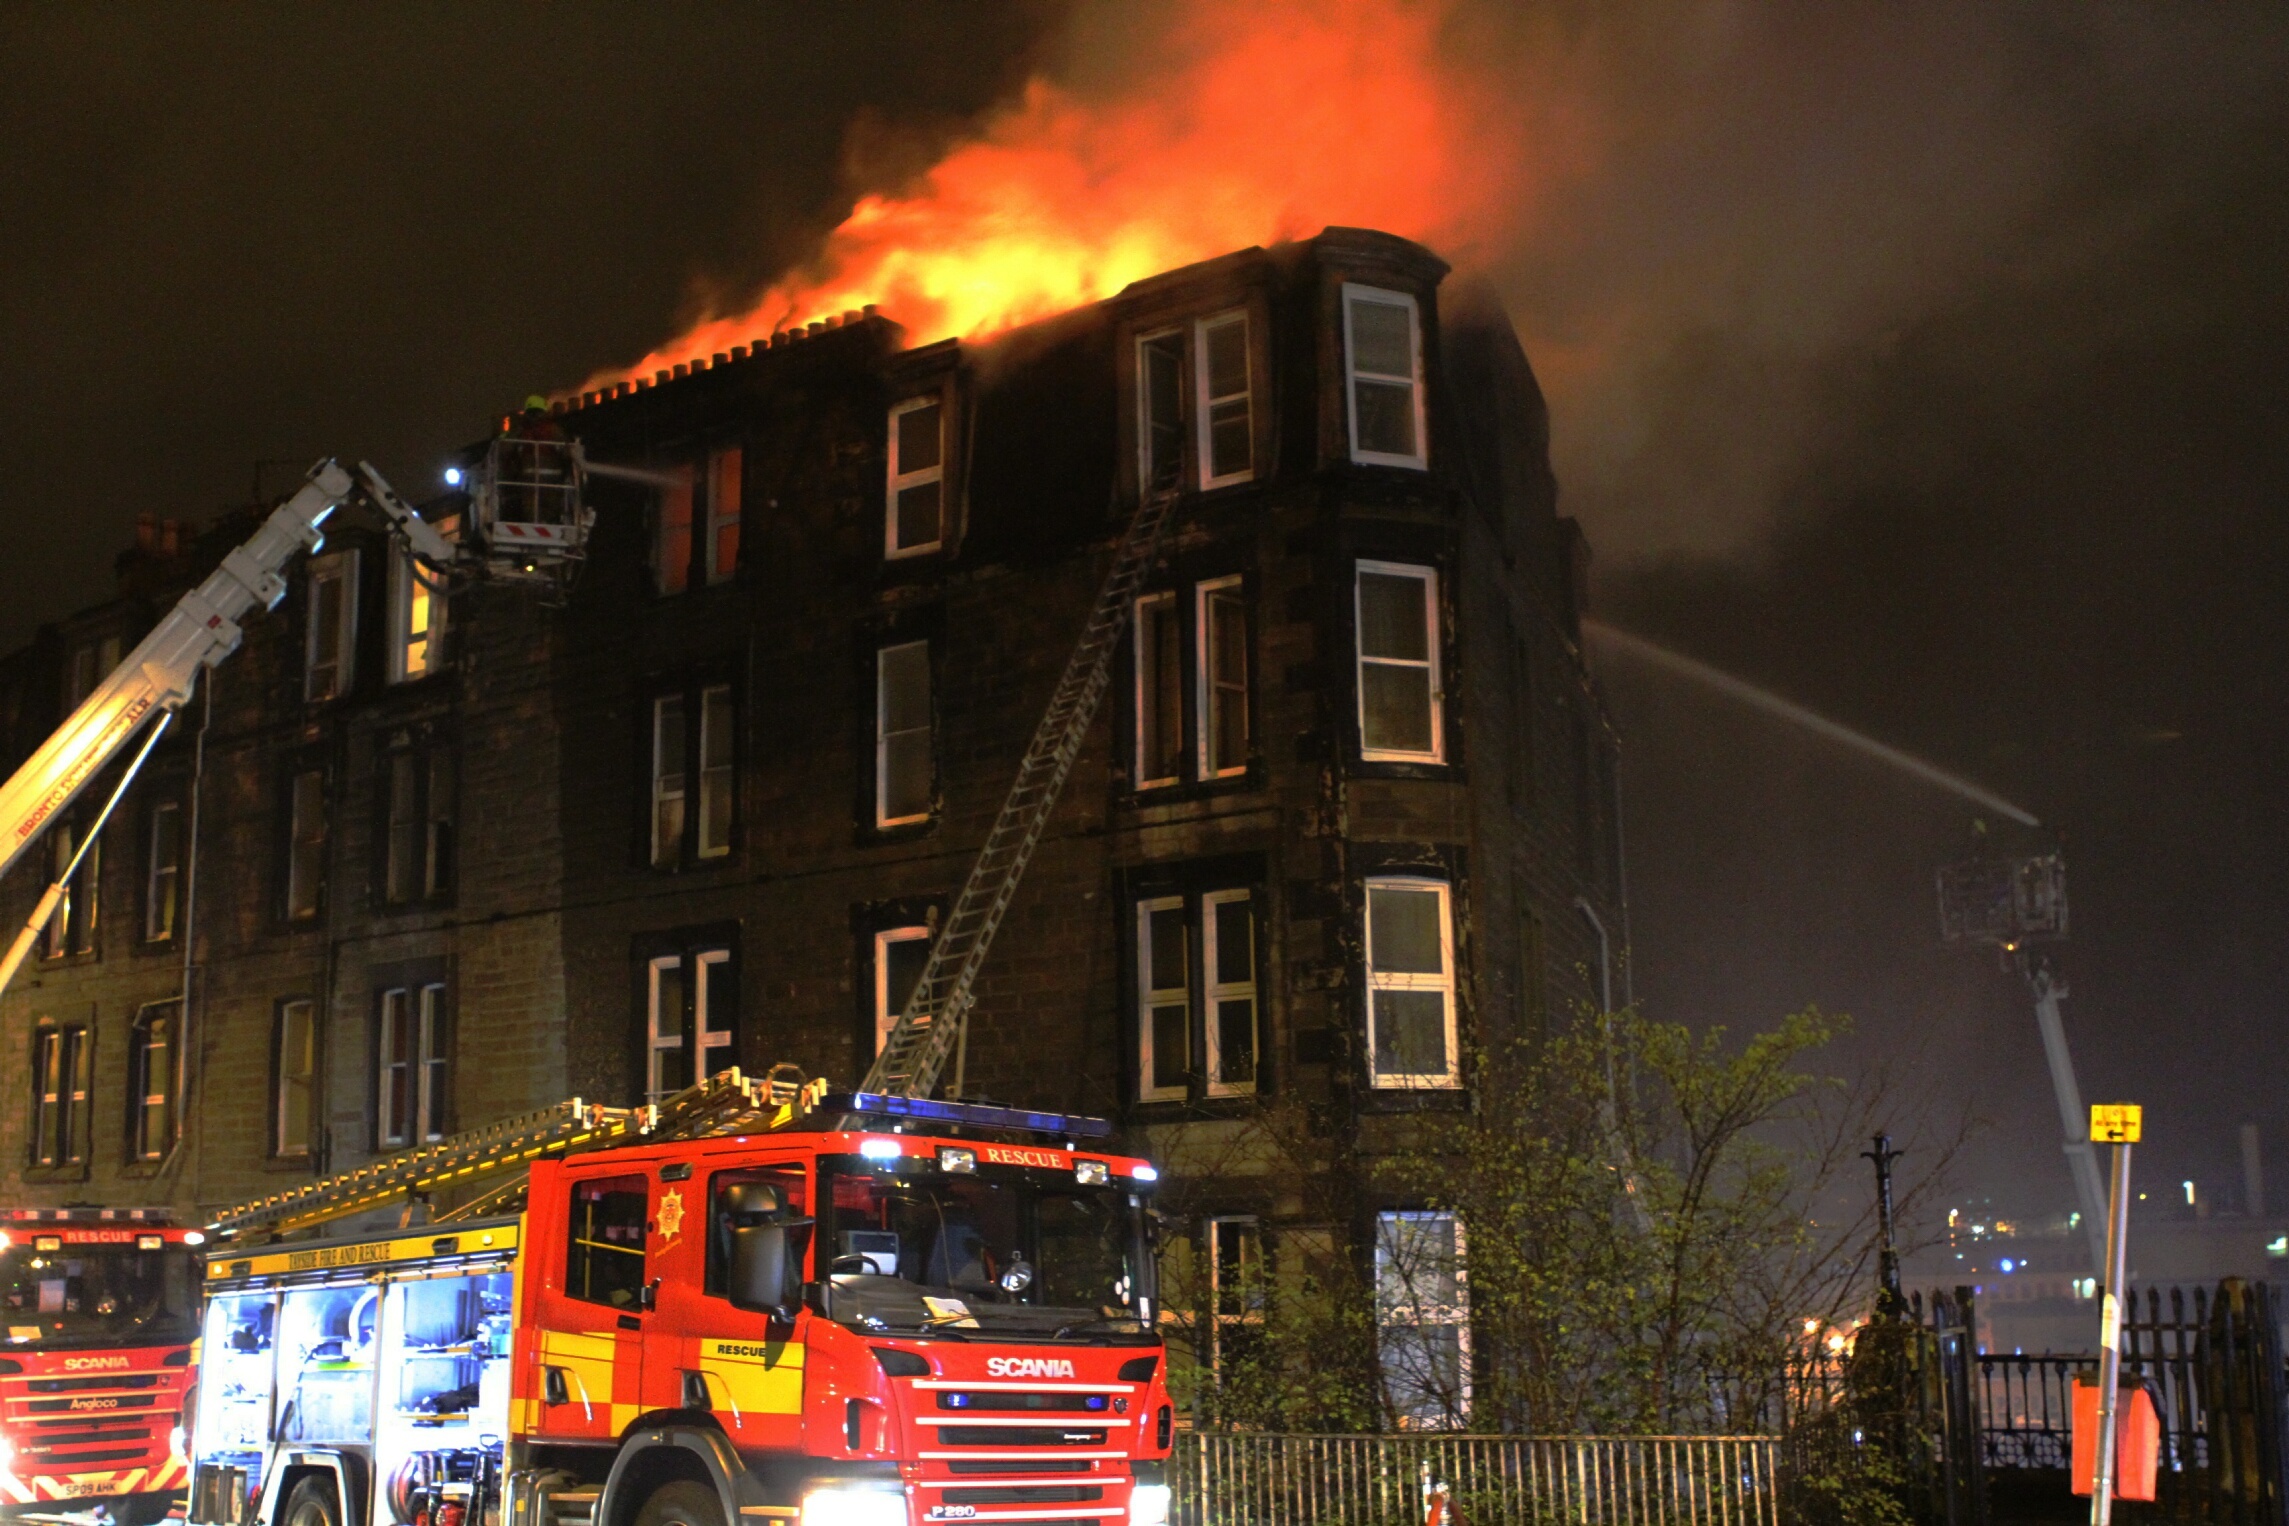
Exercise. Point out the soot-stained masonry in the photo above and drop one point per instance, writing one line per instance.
(1346, 819)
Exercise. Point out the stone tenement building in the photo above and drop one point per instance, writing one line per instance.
(1347, 818)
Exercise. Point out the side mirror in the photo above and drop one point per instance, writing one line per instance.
(759, 1267)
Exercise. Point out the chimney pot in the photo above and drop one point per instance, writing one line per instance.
(739, 352)
(660, 378)
(146, 532)
(814, 327)
(720, 359)
(869, 310)
(850, 317)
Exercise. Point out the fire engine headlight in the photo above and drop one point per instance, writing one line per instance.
(453, 476)
(853, 1507)
(1148, 1505)
(179, 1444)
(194, 1237)
(1145, 1172)
(879, 1150)
(1092, 1173)
(959, 1161)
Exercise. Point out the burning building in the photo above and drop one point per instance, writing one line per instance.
(1346, 820)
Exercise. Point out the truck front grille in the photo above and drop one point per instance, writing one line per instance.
(1019, 1436)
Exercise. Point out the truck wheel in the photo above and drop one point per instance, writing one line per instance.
(312, 1504)
(680, 1503)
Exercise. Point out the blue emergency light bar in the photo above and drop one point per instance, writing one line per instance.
(977, 1115)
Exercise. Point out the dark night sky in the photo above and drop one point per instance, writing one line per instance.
(1925, 364)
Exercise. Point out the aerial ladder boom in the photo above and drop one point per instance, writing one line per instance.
(157, 677)
(933, 1025)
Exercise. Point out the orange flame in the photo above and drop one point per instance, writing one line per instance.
(1269, 122)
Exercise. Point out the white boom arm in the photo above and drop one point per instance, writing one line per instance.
(199, 632)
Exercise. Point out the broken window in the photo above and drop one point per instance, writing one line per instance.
(331, 628)
(1195, 392)
(1160, 405)
(1222, 682)
(1400, 703)
(904, 763)
(723, 512)
(899, 954)
(671, 532)
(1384, 347)
(294, 1073)
(690, 1011)
(914, 520)
(1410, 983)
(151, 1071)
(1160, 690)
(415, 1064)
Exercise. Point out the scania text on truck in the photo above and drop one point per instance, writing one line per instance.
(99, 1307)
(881, 1312)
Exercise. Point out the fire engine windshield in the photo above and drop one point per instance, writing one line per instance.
(1018, 1251)
(98, 1295)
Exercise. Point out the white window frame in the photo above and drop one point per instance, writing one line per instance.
(1429, 578)
(1246, 1232)
(63, 1055)
(1149, 996)
(71, 925)
(900, 481)
(163, 883)
(1204, 677)
(421, 1009)
(414, 653)
(1204, 405)
(1351, 374)
(1144, 342)
(723, 510)
(1147, 699)
(304, 1011)
(153, 1085)
(664, 1031)
(1214, 992)
(1443, 984)
(712, 838)
(665, 854)
(1417, 1313)
(885, 1015)
(883, 734)
(334, 567)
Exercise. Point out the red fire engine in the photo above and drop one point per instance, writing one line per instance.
(99, 1307)
(737, 1307)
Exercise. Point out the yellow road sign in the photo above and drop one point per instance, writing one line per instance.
(2115, 1122)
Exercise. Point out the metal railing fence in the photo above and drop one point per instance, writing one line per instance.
(1250, 1479)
